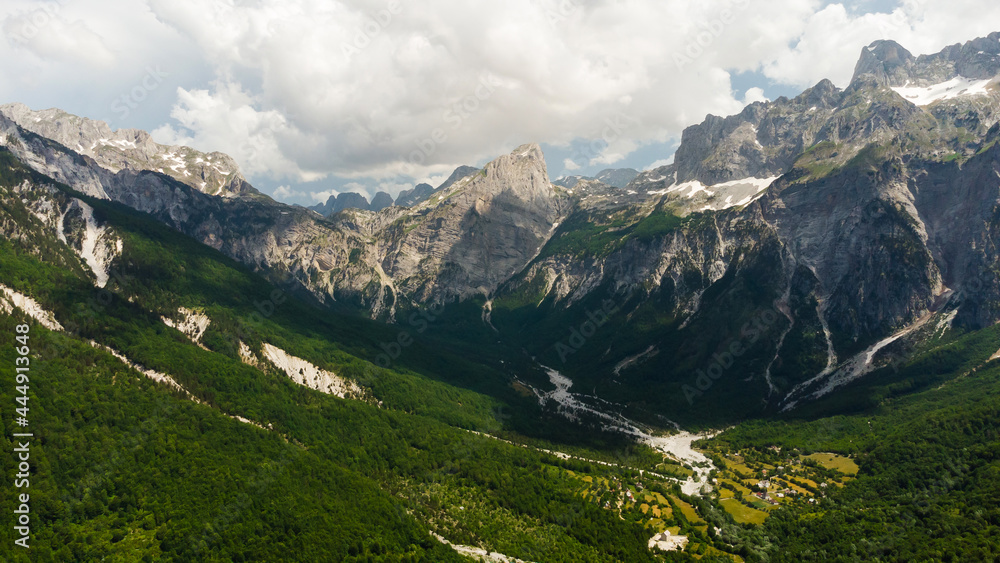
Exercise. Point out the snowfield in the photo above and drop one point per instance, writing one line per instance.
(948, 90)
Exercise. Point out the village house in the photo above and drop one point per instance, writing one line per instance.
(668, 542)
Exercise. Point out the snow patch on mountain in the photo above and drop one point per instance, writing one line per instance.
(735, 193)
(947, 90)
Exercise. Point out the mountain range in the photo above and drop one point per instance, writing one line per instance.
(804, 261)
(837, 208)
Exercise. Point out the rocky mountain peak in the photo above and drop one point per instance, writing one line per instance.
(823, 95)
(979, 58)
(422, 192)
(380, 201)
(521, 175)
(413, 196)
(525, 157)
(886, 60)
(470, 237)
(889, 64)
(213, 173)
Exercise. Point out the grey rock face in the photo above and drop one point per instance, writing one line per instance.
(349, 200)
(857, 238)
(409, 198)
(489, 227)
(478, 231)
(459, 173)
(760, 142)
(423, 192)
(380, 202)
(851, 212)
(886, 61)
(766, 139)
(617, 177)
(892, 65)
(132, 149)
(568, 181)
(352, 200)
(614, 177)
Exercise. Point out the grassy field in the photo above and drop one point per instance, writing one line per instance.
(688, 511)
(840, 463)
(793, 486)
(743, 514)
(739, 486)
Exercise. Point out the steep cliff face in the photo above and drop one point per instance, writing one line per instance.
(132, 149)
(892, 65)
(288, 244)
(849, 216)
(45, 222)
(476, 233)
(479, 231)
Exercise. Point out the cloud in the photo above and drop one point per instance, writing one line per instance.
(831, 39)
(323, 196)
(47, 33)
(225, 119)
(754, 95)
(285, 193)
(368, 90)
(657, 164)
(83, 56)
(376, 90)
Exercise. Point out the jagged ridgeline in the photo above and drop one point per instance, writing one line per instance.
(312, 376)
(846, 217)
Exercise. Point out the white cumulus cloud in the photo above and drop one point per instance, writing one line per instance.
(377, 91)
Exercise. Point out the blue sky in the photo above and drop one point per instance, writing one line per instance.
(312, 98)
